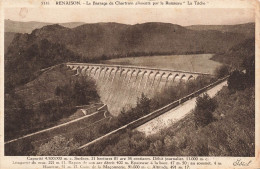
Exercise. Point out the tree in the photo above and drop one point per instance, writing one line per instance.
(84, 91)
(203, 110)
(249, 65)
(143, 104)
(79, 94)
(221, 71)
(58, 146)
(236, 81)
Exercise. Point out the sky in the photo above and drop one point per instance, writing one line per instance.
(180, 16)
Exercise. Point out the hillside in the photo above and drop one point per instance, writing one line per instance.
(53, 95)
(12, 27)
(43, 86)
(238, 54)
(54, 44)
(94, 40)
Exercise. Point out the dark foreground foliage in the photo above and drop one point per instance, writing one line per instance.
(231, 134)
(203, 110)
(58, 146)
(237, 81)
(222, 71)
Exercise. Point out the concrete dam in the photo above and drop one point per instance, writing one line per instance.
(119, 86)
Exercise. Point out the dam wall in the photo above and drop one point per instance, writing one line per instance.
(119, 86)
(138, 122)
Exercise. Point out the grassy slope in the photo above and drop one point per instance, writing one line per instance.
(43, 86)
(38, 91)
(232, 134)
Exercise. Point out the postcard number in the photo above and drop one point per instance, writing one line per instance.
(45, 3)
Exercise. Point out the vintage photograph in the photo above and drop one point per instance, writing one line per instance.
(129, 82)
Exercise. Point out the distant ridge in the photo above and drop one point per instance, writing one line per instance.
(28, 27)
(239, 28)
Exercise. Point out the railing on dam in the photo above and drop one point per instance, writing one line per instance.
(136, 123)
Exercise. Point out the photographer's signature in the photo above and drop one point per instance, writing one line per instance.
(239, 162)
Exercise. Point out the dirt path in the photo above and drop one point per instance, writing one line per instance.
(176, 114)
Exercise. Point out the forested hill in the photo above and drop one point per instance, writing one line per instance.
(238, 55)
(53, 44)
(94, 40)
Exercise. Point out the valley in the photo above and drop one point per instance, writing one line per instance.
(81, 82)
